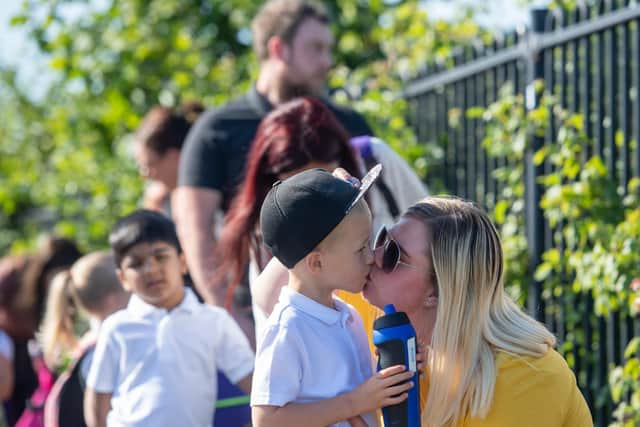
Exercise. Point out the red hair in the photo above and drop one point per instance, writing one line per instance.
(290, 137)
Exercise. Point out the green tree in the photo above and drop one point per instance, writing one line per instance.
(66, 165)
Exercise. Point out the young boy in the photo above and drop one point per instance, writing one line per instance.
(313, 364)
(156, 361)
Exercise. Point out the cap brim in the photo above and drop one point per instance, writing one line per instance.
(365, 184)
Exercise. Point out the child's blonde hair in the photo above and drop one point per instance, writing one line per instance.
(87, 286)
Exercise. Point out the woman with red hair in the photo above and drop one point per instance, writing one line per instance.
(299, 135)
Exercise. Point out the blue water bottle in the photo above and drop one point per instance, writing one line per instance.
(395, 339)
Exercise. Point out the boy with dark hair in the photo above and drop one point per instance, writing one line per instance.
(313, 360)
(156, 361)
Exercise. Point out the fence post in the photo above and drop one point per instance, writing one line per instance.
(533, 190)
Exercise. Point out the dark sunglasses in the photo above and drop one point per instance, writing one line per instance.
(391, 251)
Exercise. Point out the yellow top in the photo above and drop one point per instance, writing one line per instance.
(532, 392)
(368, 312)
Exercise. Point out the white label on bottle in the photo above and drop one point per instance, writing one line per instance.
(411, 349)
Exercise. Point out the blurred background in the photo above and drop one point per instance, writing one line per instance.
(529, 108)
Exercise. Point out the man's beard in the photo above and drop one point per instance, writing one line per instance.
(290, 90)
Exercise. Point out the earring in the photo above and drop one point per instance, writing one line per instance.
(431, 301)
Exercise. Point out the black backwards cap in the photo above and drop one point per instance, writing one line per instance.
(299, 212)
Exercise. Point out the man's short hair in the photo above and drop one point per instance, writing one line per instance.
(282, 18)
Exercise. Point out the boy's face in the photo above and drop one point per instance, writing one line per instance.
(346, 253)
(153, 271)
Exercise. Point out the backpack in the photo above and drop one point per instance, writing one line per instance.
(362, 144)
(64, 404)
(33, 414)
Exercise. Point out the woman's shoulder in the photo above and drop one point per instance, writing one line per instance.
(550, 363)
(526, 384)
(546, 372)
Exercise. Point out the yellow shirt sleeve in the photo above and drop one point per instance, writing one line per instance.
(534, 392)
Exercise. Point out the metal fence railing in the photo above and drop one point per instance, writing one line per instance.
(589, 59)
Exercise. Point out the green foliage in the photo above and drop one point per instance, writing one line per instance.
(625, 391)
(595, 224)
(66, 164)
(507, 130)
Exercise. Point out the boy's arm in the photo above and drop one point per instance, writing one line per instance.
(96, 407)
(382, 389)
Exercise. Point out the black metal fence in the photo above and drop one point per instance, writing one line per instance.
(590, 60)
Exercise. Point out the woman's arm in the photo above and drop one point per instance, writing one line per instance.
(6, 377)
(245, 383)
(385, 388)
(96, 407)
(267, 287)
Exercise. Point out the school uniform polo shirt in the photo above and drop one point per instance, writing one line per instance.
(310, 352)
(161, 366)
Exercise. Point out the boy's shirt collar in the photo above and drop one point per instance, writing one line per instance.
(313, 308)
(139, 307)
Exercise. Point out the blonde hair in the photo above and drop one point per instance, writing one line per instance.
(475, 317)
(86, 286)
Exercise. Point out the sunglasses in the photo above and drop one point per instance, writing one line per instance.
(390, 251)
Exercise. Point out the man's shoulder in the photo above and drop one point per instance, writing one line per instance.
(239, 108)
(353, 121)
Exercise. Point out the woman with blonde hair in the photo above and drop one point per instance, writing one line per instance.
(90, 291)
(489, 363)
(90, 288)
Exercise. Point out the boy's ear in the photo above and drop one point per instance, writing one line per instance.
(122, 281)
(313, 261)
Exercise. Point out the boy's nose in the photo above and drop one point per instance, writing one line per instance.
(148, 265)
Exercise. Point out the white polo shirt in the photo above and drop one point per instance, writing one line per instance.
(310, 352)
(161, 366)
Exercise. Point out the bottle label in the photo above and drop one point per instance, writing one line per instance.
(411, 349)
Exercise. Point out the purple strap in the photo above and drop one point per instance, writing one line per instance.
(362, 144)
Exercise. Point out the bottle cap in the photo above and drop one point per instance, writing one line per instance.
(389, 309)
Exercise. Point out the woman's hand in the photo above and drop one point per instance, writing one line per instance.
(344, 175)
(422, 352)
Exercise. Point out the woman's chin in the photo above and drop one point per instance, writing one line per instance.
(369, 295)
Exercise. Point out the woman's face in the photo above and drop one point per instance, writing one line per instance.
(157, 167)
(409, 285)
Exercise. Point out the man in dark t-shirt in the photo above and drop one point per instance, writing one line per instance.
(217, 146)
(293, 42)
